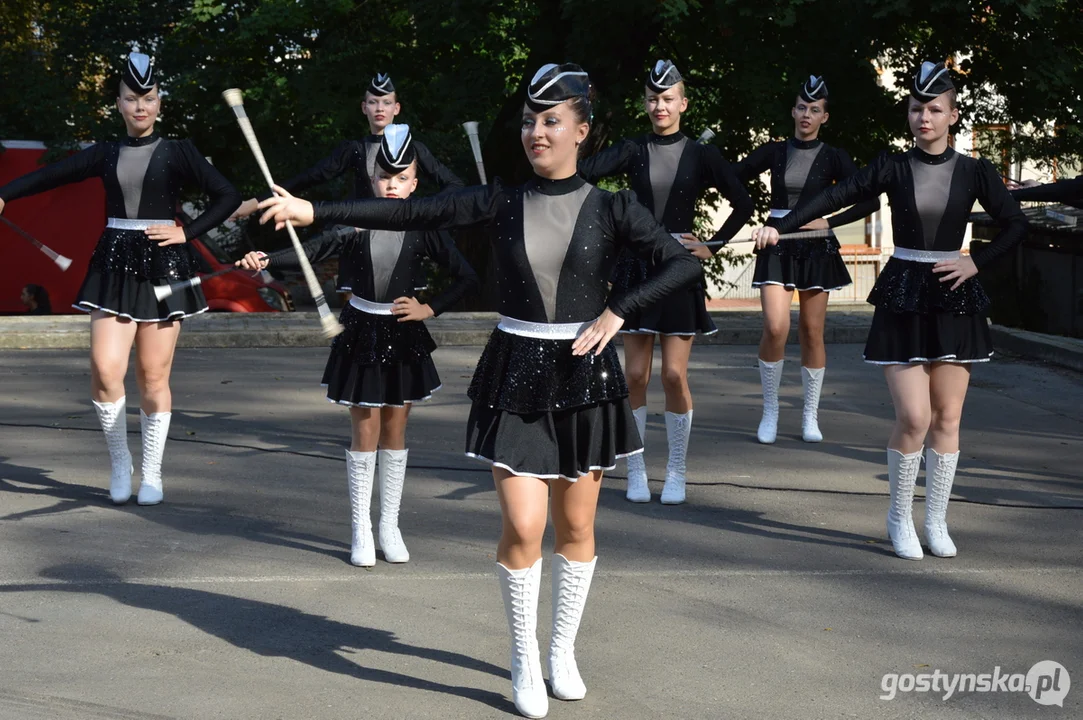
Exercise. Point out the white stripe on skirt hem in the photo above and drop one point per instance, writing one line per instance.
(922, 361)
(88, 307)
(520, 473)
(793, 286)
(382, 405)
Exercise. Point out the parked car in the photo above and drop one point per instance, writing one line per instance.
(70, 219)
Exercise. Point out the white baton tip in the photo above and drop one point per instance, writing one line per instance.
(331, 326)
(233, 97)
(63, 263)
(161, 292)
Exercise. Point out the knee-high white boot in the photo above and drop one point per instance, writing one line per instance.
(392, 474)
(520, 589)
(571, 583)
(360, 469)
(114, 424)
(813, 380)
(155, 432)
(770, 379)
(678, 428)
(939, 477)
(638, 490)
(902, 474)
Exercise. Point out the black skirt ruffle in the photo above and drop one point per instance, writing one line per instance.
(377, 361)
(527, 375)
(132, 298)
(564, 444)
(906, 286)
(130, 252)
(802, 264)
(905, 338)
(682, 313)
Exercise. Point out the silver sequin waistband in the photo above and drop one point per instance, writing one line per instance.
(544, 331)
(126, 224)
(776, 213)
(925, 256)
(371, 308)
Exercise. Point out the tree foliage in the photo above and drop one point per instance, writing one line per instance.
(305, 63)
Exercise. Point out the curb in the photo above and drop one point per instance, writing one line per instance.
(1063, 351)
(302, 329)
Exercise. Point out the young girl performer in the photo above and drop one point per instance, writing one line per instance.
(141, 247)
(800, 168)
(382, 363)
(669, 174)
(550, 409)
(929, 324)
(381, 106)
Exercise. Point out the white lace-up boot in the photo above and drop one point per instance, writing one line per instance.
(770, 379)
(392, 474)
(571, 583)
(155, 432)
(520, 589)
(939, 477)
(812, 379)
(902, 474)
(114, 424)
(678, 428)
(638, 490)
(360, 470)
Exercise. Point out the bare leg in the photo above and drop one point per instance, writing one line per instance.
(392, 473)
(638, 359)
(365, 429)
(575, 505)
(813, 360)
(909, 386)
(948, 385)
(775, 301)
(524, 505)
(110, 344)
(155, 344)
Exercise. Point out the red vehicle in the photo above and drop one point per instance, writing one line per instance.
(70, 219)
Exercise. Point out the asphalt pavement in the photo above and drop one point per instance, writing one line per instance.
(771, 594)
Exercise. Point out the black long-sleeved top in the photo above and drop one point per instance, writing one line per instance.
(143, 179)
(381, 265)
(930, 197)
(800, 170)
(360, 156)
(554, 243)
(669, 173)
(1069, 192)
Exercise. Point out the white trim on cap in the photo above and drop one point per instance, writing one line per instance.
(139, 68)
(819, 84)
(659, 81)
(534, 95)
(381, 81)
(391, 135)
(924, 72)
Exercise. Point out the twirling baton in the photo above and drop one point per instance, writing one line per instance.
(801, 234)
(471, 129)
(161, 292)
(706, 136)
(61, 262)
(331, 326)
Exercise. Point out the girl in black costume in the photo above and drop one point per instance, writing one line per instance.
(550, 406)
(380, 107)
(382, 363)
(800, 168)
(142, 246)
(669, 174)
(929, 324)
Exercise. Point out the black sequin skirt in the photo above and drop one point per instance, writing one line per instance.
(379, 362)
(124, 269)
(682, 313)
(919, 319)
(540, 411)
(802, 264)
